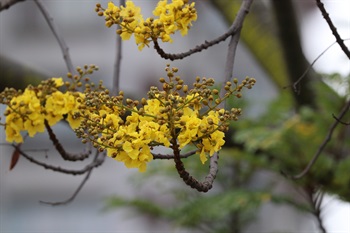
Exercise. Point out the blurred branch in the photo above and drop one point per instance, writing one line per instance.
(230, 59)
(340, 121)
(339, 40)
(60, 40)
(325, 141)
(118, 59)
(6, 4)
(258, 36)
(79, 187)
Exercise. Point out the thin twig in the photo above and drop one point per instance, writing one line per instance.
(310, 66)
(295, 84)
(340, 121)
(235, 27)
(60, 40)
(183, 156)
(59, 169)
(6, 4)
(333, 28)
(118, 59)
(70, 199)
(325, 142)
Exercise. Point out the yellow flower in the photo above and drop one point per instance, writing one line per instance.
(58, 81)
(111, 11)
(25, 114)
(160, 8)
(72, 106)
(34, 124)
(132, 149)
(13, 127)
(189, 131)
(55, 107)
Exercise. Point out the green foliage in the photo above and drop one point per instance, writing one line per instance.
(212, 212)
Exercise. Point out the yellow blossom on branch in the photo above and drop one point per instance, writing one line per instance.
(174, 116)
(129, 129)
(27, 111)
(167, 19)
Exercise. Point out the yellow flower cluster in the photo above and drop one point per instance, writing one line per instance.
(168, 18)
(29, 110)
(174, 115)
(131, 141)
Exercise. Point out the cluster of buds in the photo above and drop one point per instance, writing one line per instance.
(129, 129)
(28, 110)
(168, 18)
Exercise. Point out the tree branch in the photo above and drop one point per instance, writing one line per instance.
(65, 155)
(235, 27)
(183, 156)
(118, 59)
(339, 40)
(79, 187)
(6, 4)
(60, 40)
(59, 169)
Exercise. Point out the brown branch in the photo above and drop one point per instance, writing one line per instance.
(65, 155)
(183, 156)
(339, 40)
(6, 4)
(70, 199)
(235, 28)
(60, 40)
(204, 186)
(59, 169)
(324, 143)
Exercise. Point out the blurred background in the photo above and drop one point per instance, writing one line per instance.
(266, 201)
